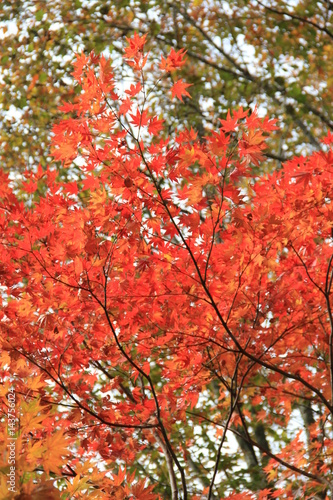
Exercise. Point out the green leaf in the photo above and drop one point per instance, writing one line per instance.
(39, 15)
(42, 77)
(77, 89)
(295, 91)
(20, 103)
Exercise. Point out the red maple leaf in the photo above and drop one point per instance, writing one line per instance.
(155, 125)
(179, 89)
(140, 119)
(125, 106)
(134, 89)
(230, 124)
(136, 44)
(174, 60)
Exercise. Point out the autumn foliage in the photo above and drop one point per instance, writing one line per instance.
(168, 295)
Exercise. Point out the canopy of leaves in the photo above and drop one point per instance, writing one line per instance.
(165, 301)
(276, 54)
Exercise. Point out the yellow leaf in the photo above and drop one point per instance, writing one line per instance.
(31, 417)
(78, 484)
(56, 449)
(4, 358)
(34, 383)
(35, 452)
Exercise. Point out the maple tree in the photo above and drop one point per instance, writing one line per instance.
(276, 54)
(164, 300)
